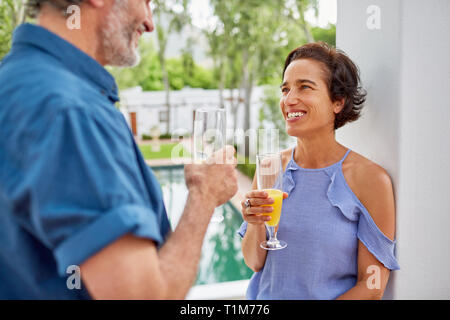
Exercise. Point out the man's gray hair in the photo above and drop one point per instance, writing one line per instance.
(34, 6)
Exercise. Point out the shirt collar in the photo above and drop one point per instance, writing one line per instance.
(70, 56)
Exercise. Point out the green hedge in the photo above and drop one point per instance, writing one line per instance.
(165, 151)
(245, 167)
(162, 136)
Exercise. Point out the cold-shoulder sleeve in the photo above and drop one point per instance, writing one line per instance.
(375, 241)
(341, 196)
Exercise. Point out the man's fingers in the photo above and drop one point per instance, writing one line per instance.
(223, 156)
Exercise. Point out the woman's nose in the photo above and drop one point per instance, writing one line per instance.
(291, 98)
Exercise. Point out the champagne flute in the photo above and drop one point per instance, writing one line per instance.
(209, 137)
(269, 177)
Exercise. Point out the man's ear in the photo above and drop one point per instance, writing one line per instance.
(338, 105)
(96, 3)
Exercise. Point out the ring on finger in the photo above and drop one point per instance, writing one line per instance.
(247, 203)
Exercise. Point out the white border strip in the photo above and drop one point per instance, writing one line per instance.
(217, 291)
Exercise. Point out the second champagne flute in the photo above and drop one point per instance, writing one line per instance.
(269, 177)
(209, 137)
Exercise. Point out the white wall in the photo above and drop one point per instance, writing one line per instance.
(405, 127)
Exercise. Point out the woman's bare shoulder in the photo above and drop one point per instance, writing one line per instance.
(372, 185)
(365, 176)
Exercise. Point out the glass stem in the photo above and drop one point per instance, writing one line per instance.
(272, 234)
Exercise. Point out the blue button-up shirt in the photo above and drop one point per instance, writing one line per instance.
(72, 179)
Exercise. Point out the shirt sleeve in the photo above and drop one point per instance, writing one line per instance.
(82, 187)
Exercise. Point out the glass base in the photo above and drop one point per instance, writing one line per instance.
(273, 245)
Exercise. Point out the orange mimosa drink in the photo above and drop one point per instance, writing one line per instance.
(277, 196)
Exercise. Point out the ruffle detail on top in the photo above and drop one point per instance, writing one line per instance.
(342, 197)
(288, 180)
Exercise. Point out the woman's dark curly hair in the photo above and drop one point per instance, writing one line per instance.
(34, 6)
(342, 78)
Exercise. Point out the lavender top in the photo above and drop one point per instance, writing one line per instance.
(322, 221)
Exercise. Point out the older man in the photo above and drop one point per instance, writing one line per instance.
(75, 192)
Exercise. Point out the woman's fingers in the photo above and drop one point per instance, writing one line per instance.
(257, 214)
(256, 194)
(261, 194)
(256, 218)
(254, 202)
(258, 210)
(260, 206)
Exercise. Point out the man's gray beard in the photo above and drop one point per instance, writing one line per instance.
(117, 34)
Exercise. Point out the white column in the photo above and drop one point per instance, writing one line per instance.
(403, 50)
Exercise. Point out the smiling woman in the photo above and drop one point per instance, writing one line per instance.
(339, 217)
(340, 76)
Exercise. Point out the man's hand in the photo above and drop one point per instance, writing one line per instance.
(215, 180)
(133, 268)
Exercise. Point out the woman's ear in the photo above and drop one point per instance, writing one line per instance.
(338, 105)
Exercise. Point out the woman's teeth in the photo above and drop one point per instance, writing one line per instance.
(291, 115)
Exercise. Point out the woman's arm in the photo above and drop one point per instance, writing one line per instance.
(373, 187)
(254, 255)
(372, 278)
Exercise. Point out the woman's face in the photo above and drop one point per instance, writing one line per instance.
(305, 101)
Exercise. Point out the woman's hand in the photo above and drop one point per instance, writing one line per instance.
(257, 213)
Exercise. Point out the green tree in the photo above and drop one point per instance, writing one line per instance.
(270, 115)
(147, 74)
(222, 46)
(302, 6)
(12, 13)
(170, 19)
(260, 33)
(327, 35)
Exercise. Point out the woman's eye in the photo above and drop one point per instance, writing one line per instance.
(305, 87)
(284, 90)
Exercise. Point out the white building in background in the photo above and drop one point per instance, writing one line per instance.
(145, 110)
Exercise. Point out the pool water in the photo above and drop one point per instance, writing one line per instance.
(221, 258)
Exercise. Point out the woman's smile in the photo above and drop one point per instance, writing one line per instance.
(295, 115)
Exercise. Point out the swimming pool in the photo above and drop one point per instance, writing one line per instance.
(221, 259)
